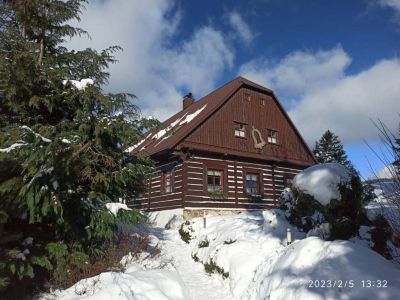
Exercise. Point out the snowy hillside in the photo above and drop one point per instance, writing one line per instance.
(247, 257)
(262, 266)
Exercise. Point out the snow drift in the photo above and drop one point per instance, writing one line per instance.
(310, 262)
(134, 284)
(253, 250)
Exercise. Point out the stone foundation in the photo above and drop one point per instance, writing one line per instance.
(196, 213)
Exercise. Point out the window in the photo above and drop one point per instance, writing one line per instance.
(272, 136)
(247, 97)
(167, 181)
(252, 186)
(215, 180)
(262, 101)
(240, 130)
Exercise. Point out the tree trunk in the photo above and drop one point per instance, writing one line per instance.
(42, 37)
(40, 60)
(24, 26)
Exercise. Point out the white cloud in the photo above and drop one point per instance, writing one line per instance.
(387, 172)
(241, 28)
(394, 4)
(199, 62)
(391, 4)
(153, 66)
(299, 71)
(323, 97)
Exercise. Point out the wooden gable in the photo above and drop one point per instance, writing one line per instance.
(198, 145)
(259, 113)
(208, 124)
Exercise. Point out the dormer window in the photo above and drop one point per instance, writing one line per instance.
(240, 130)
(272, 136)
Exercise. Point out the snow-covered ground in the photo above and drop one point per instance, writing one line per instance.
(134, 283)
(252, 248)
(251, 251)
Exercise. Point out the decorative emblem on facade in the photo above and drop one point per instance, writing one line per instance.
(259, 142)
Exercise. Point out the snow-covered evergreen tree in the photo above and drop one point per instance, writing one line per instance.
(61, 143)
(329, 149)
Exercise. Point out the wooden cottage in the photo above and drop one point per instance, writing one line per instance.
(236, 148)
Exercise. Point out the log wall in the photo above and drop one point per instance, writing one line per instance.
(189, 186)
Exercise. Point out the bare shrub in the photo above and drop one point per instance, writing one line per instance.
(110, 260)
(389, 155)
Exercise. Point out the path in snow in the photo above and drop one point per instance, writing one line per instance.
(201, 286)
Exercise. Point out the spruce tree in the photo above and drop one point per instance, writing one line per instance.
(329, 149)
(62, 142)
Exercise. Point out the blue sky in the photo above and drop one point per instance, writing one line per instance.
(364, 29)
(333, 64)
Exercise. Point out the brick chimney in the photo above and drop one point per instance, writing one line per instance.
(188, 100)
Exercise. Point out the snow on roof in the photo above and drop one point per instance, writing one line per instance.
(191, 116)
(164, 133)
(186, 118)
(322, 181)
(161, 133)
(129, 149)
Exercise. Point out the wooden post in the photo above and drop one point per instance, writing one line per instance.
(204, 219)
(273, 185)
(236, 184)
(149, 192)
(184, 181)
(288, 236)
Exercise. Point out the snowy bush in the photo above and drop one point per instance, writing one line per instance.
(381, 233)
(211, 267)
(325, 193)
(383, 209)
(186, 232)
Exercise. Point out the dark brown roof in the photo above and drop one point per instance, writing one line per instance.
(175, 129)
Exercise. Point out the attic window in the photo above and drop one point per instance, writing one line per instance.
(240, 130)
(247, 97)
(262, 101)
(272, 136)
